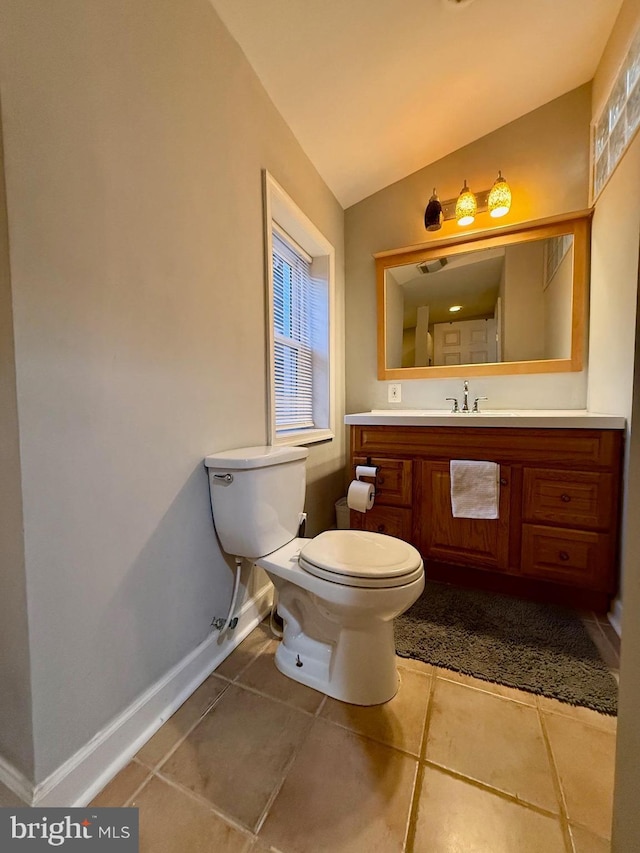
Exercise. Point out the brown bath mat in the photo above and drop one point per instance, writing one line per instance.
(540, 648)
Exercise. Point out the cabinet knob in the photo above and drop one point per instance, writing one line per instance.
(381, 528)
(566, 498)
(380, 480)
(563, 555)
(504, 481)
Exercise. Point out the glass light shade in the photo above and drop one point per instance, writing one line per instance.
(433, 214)
(466, 206)
(499, 201)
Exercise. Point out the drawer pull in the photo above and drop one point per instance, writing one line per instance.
(563, 555)
(504, 481)
(380, 480)
(381, 528)
(566, 498)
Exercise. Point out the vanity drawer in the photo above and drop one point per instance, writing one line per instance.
(571, 498)
(384, 519)
(393, 483)
(565, 556)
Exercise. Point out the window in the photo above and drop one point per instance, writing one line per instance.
(619, 120)
(555, 249)
(300, 265)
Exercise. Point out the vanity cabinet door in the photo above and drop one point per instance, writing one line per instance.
(477, 542)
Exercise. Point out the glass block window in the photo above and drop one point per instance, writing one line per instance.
(619, 120)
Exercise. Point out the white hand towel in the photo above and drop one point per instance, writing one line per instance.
(474, 489)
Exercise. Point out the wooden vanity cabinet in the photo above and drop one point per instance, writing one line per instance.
(556, 537)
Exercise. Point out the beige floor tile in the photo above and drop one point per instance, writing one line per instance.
(237, 755)
(246, 652)
(586, 842)
(173, 822)
(458, 817)
(8, 799)
(601, 721)
(585, 758)
(184, 718)
(399, 722)
(122, 786)
(415, 665)
(487, 686)
(492, 740)
(260, 847)
(262, 675)
(344, 794)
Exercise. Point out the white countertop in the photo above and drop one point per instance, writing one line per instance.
(541, 418)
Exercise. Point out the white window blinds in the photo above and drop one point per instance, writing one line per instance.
(293, 299)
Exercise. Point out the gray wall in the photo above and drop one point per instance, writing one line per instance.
(16, 737)
(135, 136)
(545, 157)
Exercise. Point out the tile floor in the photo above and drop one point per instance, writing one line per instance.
(254, 762)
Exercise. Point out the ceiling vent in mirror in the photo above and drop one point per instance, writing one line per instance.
(432, 266)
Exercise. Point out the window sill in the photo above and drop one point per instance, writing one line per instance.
(304, 436)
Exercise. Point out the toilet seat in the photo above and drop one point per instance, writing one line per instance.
(361, 559)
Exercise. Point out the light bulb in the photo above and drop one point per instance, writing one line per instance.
(466, 206)
(499, 201)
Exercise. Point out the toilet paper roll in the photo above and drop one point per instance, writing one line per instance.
(366, 471)
(360, 496)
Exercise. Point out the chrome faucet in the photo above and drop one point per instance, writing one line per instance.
(465, 400)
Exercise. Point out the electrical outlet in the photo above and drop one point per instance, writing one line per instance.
(395, 393)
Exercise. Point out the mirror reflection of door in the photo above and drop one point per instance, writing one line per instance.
(465, 342)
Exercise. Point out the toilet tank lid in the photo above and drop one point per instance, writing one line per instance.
(255, 457)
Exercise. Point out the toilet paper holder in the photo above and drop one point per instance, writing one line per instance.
(367, 470)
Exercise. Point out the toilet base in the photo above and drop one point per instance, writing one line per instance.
(337, 639)
(359, 667)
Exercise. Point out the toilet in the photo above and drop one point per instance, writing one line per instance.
(338, 593)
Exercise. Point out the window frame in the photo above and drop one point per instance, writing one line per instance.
(280, 210)
(614, 113)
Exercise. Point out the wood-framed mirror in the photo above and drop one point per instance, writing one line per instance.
(512, 302)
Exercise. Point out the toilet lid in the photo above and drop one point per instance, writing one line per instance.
(360, 558)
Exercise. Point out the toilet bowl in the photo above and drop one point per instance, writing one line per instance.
(338, 592)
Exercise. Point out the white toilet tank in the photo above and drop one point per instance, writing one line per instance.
(257, 496)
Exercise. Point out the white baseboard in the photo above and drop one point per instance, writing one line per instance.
(615, 617)
(15, 781)
(81, 777)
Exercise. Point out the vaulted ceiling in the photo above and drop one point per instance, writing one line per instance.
(376, 89)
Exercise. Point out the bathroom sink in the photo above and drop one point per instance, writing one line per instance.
(437, 413)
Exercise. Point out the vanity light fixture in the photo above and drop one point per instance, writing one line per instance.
(466, 206)
(499, 201)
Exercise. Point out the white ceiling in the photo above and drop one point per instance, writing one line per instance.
(376, 89)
